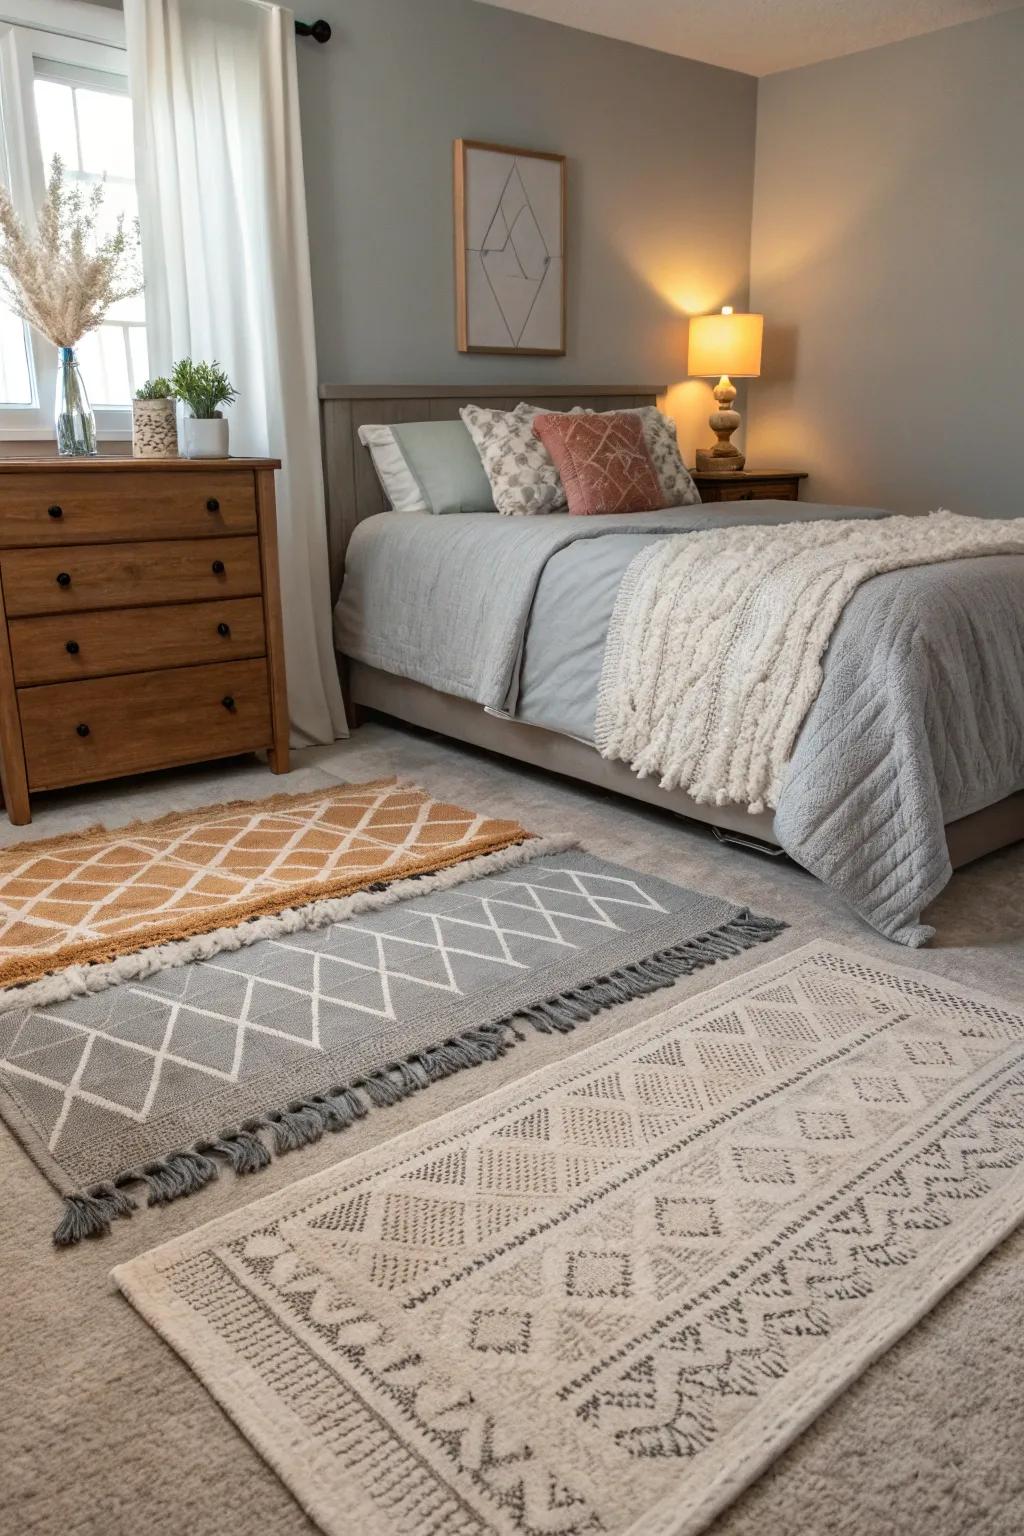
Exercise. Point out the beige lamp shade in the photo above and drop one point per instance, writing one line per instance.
(726, 344)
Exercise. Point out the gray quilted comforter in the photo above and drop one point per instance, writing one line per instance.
(920, 719)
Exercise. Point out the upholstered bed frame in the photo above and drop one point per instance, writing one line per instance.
(353, 492)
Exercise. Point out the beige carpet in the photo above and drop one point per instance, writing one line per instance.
(105, 1430)
(606, 1297)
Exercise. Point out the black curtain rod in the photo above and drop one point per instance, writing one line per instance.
(319, 31)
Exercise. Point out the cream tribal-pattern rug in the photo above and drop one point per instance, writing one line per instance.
(603, 1299)
(92, 896)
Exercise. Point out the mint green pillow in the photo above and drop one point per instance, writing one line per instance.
(442, 459)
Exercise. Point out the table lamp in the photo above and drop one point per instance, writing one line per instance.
(729, 346)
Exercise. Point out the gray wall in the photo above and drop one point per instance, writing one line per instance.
(888, 242)
(660, 166)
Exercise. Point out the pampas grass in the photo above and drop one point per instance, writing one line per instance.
(64, 279)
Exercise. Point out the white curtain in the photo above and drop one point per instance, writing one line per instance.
(226, 253)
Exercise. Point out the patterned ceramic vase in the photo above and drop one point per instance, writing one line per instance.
(154, 429)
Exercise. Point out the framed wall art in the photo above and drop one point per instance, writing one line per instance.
(509, 249)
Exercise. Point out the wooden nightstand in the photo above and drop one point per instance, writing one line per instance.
(750, 485)
(140, 622)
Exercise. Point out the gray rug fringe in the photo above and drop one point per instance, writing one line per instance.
(90, 1213)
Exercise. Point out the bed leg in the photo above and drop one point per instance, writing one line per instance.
(353, 712)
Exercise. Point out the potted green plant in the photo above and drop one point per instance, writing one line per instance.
(204, 388)
(154, 421)
(63, 278)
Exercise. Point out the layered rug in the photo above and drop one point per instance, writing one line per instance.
(153, 1086)
(92, 896)
(604, 1298)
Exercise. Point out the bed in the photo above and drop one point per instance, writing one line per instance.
(882, 802)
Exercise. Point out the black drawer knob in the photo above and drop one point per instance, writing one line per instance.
(223, 629)
(228, 701)
(72, 647)
(218, 567)
(213, 505)
(55, 511)
(83, 730)
(63, 579)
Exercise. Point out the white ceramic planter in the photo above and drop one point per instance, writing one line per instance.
(154, 429)
(206, 437)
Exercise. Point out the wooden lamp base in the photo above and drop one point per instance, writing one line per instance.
(724, 457)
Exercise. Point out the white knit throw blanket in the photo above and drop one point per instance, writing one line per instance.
(715, 647)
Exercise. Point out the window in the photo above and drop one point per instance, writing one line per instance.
(85, 117)
(67, 96)
(15, 365)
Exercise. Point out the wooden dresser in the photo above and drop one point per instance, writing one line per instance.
(750, 484)
(140, 619)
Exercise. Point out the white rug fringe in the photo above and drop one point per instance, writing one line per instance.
(80, 980)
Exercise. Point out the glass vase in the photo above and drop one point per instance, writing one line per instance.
(76, 424)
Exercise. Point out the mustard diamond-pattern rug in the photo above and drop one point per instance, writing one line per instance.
(604, 1298)
(94, 895)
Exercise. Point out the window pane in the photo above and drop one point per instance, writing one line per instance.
(139, 350)
(55, 114)
(118, 197)
(15, 378)
(129, 309)
(105, 131)
(101, 356)
(88, 121)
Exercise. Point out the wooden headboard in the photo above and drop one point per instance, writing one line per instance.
(353, 490)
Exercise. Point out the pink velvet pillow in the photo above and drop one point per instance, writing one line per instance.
(603, 461)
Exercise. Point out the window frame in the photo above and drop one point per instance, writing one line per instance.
(74, 33)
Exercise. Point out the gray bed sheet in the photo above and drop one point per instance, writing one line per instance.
(446, 601)
(920, 719)
(563, 649)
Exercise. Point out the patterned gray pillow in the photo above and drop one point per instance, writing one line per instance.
(524, 481)
(660, 436)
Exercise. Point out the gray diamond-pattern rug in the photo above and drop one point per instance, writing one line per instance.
(604, 1298)
(156, 1084)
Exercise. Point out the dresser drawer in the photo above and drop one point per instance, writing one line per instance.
(104, 727)
(98, 507)
(58, 647)
(128, 575)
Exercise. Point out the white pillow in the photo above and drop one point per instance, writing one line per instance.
(396, 478)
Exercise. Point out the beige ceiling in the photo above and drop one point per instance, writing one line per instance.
(758, 36)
